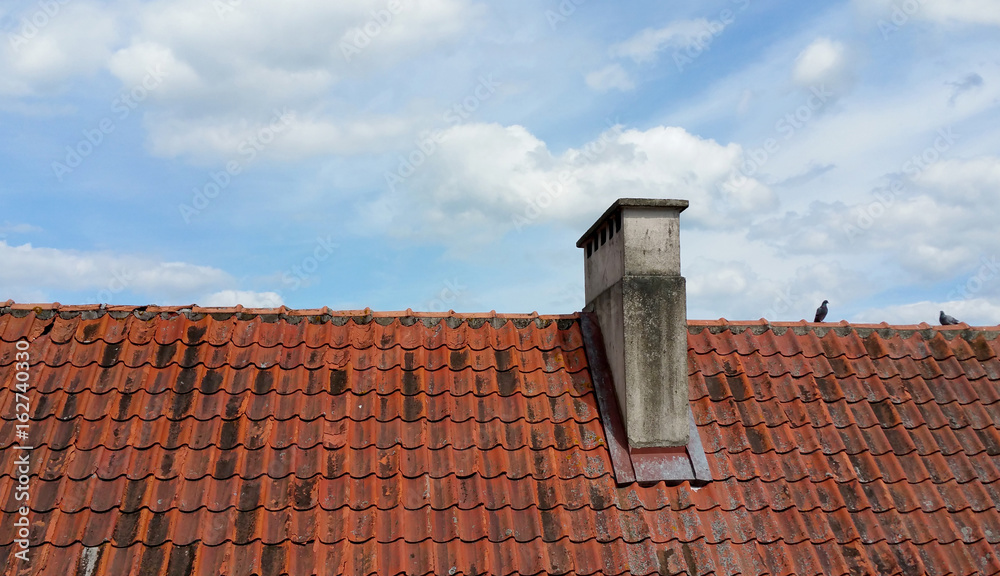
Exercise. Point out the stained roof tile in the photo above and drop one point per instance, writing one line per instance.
(275, 442)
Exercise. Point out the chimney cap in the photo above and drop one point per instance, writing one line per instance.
(620, 203)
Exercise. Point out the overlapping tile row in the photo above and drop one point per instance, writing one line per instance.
(72, 492)
(352, 405)
(800, 365)
(450, 558)
(135, 355)
(268, 331)
(719, 389)
(245, 434)
(583, 525)
(186, 464)
(228, 443)
(332, 380)
(370, 557)
(848, 342)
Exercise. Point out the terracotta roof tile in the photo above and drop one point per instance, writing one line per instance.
(185, 440)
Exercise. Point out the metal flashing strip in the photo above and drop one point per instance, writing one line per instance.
(686, 463)
(607, 402)
(696, 452)
(673, 464)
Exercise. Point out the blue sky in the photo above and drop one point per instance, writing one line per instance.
(446, 154)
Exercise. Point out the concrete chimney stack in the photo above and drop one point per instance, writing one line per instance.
(635, 288)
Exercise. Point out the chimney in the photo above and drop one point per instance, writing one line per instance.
(634, 286)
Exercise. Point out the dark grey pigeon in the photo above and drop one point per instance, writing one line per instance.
(821, 311)
(947, 320)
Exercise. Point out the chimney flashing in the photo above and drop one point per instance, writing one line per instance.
(644, 465)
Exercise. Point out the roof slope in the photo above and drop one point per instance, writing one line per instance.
(274, 442)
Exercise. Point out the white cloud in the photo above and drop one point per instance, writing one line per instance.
(865, 134)
(41, 51)
(35, 273)
(141, 60)
(970, 11)
(227, 70)
(739, 289)
(823, 62)
(485, 179)
(611, 77)
(645, 45)
(974, 182)
(17, 228)
(296, 137)
(897, 13)
(936, 223)
(227, 298)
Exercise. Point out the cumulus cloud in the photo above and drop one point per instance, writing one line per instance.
(485, 179)
(223, 68)
(36, 273)
(974, 182)
(228, 69)
(823, 63)
(43, 50)
(932, 223)
(737, 289)
(612, 77)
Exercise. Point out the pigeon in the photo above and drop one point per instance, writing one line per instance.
(821, 311)
(947, 320)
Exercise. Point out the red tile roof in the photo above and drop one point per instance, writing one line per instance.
(200, 441)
